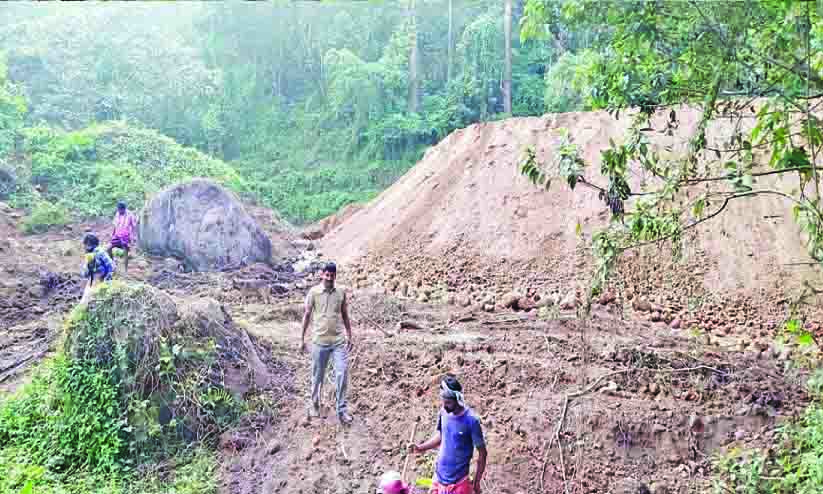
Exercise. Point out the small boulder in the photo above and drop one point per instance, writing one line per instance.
(525, 304)
(510, 299)
(675, 324)
(569, 301)
(642, 305)
(606, 298)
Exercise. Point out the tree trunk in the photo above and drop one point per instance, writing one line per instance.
(413, 60)
(507, 76)
(450, 61)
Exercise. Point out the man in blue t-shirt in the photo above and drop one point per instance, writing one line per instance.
(458, 434)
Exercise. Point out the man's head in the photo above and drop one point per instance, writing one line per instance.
(329, 274)
(121, 207)
(451, 394)
(90, 242)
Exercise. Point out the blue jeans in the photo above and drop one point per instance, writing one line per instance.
(320, 355)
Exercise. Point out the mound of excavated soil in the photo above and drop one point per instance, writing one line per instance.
(465, 209)
(317, 230)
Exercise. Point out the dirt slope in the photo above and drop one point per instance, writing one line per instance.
(660, 402)
(466, 198)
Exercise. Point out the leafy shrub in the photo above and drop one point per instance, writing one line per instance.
(795, 467)
(45, 215)
(90, 169)
(194, 473)
(308, 194)
(67, 417)
(568, 82)
(815, 384)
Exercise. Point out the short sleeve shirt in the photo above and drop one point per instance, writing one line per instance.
(99, 263)
(460, 435)
(326, 314)
(124, 225)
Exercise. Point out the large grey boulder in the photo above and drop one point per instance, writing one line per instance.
(203, 225)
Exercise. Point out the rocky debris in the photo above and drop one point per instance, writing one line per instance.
(37, 293)
(205, 226)
(26, 344)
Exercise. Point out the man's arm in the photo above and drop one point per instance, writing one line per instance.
(432, 443)
(480, 443)
(481, 468)
(307, 310)
(344, 309)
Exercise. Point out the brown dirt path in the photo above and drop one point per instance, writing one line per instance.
(658, 423)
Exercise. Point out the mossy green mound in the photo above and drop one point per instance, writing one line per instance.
(139, 378)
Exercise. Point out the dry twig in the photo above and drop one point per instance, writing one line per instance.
(588, 389)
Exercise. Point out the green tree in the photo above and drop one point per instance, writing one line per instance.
(507, 50)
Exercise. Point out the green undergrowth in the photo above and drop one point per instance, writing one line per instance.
(132, 402)
(792, 465)
(82, 174)
(45, 215)
(304, 195)
(89, 170)
(191, 472)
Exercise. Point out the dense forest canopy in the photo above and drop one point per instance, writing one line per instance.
(315, 104)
